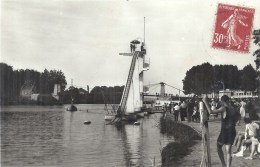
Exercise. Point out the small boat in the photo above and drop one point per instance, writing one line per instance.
(87, 122)
(72, 108)
(136, 123)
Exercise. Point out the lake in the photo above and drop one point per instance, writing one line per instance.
(52, 136)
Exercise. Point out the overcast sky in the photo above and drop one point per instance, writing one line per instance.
(83, 38)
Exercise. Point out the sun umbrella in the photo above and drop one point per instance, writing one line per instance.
(135, 42)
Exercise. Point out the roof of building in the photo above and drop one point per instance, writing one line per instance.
(27, 85)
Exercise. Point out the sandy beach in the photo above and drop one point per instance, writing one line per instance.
(194, 157)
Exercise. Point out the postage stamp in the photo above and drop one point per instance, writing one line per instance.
(233, 28)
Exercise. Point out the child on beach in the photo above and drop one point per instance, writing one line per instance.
(228, 131)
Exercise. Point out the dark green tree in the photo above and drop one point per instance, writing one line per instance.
(6, 83)
(206, 78)
(226, 76)
(44, 82)
(109, 95)
(248, 78)
(74, 94)
(199, 79)
(49, 78)
(11, 82)
(256, 38)
(57, 77)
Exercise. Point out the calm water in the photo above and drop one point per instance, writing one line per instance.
(52, 136)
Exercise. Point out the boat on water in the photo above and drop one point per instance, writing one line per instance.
(87, 122)
(72, 108)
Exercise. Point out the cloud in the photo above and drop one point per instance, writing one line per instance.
(83, 38)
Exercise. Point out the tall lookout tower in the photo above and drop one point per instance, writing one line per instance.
(132, 99)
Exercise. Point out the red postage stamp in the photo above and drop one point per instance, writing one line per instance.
(233, 28)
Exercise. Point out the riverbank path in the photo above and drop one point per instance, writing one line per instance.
(194, 158)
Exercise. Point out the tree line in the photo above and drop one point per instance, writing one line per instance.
(98, 95)
(206, 78)
(11, 82)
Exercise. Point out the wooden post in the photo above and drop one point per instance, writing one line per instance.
(206, 160)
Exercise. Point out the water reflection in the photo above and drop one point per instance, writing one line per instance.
(52, 136)
(131, 138)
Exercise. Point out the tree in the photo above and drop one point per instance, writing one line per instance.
(74, 94)
(6, 83)
(49, 78)
(226, 76)
(13, 80)
(206, 78)
(256, 37)
(44, 82)
(199, 79)
(109, 95)
(57, 77)
(248, 78)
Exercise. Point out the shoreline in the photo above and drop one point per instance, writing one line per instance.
(195, 152)
(185, 138)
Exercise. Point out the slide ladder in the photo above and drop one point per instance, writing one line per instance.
(122, 107)
(128, 82)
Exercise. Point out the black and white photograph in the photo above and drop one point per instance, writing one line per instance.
(130, 83)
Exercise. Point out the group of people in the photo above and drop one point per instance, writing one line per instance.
(187, 109)
(178, 109)
(229, 111)
(245, 106)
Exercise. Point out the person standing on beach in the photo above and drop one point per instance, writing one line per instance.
(176, 111)
(190, 108)
(183, 110)
(214, 107)
(228, 131)
(243, 110)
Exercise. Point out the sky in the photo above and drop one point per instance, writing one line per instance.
(84, 38)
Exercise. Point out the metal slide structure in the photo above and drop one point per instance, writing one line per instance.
(132, 98)
(128, 83)
(122, 106)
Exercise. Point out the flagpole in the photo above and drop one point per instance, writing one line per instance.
(144, 30)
